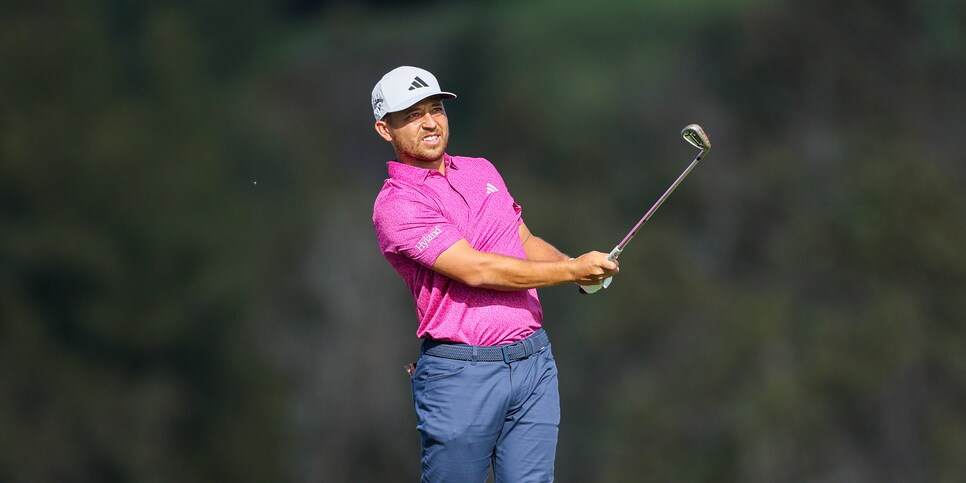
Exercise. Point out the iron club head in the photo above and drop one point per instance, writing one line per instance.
(695, 135)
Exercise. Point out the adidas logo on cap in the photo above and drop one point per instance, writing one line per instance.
(417, 83)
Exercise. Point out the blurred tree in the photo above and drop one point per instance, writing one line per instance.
(128, 252)
(793, 313)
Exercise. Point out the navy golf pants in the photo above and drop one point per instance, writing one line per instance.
(474, 414)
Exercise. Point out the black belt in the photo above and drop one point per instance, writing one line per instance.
(507, 353)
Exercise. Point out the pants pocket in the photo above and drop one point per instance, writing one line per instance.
(430, 368)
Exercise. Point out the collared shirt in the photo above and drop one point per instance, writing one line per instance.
(419, 213)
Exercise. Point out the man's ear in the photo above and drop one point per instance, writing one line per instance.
(383, 130)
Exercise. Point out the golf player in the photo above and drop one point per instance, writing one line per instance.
(485, 384)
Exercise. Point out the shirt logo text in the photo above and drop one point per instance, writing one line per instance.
(423, 243)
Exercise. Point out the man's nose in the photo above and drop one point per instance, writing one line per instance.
(428, 121)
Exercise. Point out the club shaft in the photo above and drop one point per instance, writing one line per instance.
(620, 246)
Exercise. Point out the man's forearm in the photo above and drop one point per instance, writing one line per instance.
(507, 273)
(539, 250)
(499, 272)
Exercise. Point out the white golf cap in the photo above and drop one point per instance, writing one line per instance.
(402, 87)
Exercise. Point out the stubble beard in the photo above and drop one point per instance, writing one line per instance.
(421, 154)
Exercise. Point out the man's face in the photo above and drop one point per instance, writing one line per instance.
(420, 133)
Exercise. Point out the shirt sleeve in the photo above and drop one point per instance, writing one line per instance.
(413, 226)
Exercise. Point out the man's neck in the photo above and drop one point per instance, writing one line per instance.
(437, 164)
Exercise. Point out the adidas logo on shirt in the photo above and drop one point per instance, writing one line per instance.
(490, 189)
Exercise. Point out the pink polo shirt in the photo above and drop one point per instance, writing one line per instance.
(419, 213)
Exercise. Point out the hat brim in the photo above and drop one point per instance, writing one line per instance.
(415, 99)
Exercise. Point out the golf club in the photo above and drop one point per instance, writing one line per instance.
(693, 134)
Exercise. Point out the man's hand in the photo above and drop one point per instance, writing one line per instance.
(593, 267)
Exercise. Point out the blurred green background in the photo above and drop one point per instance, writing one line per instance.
(191, 291)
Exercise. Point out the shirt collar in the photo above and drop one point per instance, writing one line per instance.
(406, 172)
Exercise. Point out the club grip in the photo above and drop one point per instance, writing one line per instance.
(588, 289)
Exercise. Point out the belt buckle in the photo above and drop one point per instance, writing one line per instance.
(525, 350)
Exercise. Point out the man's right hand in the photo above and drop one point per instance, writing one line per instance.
(593, 268)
